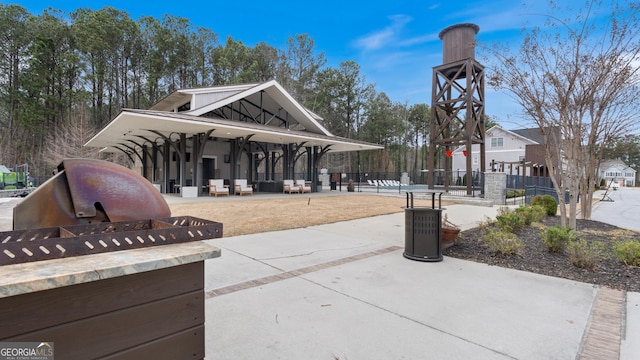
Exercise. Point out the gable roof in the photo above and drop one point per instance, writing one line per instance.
(536, 134)
(268, 112)
(497, 128)
(269, 96)
(617, 164)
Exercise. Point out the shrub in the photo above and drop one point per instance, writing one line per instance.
(486, 223)
(556, 238)
(546, 201)
(628, 251)
(502, 242)
(531, 214)
(515, 194)
(510, 222)
(585, 255)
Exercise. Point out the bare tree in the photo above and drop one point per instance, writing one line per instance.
(577, 78)
(68, 141)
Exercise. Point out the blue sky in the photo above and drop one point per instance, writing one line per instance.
(395, 42)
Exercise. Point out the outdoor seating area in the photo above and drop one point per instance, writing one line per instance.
(385, 183)
(217, 187)
(289, 186)
(240, 187)
(302, 184)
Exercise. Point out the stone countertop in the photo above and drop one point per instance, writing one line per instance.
(49, 274)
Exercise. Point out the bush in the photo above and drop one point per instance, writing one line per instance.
(628, 251)
(546, 201)
(556, 238)
(515, 194)
(510, 221)
(531, 214)
(585, 255)
(502, 242)
(603, 183)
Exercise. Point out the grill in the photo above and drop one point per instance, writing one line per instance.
(52, 243)
(94, 206)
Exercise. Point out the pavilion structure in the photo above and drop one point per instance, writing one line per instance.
(256, 132)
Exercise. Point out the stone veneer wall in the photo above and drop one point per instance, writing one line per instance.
(495, 187)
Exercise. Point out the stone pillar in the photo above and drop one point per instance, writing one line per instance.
(495, 187)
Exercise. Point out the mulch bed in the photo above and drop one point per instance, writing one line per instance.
(535, 257)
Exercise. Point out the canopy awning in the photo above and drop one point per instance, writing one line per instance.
(133, 126)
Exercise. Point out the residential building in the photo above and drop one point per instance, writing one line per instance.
(504, 151)
(617, 173)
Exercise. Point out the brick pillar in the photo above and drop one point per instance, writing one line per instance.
(495, 187)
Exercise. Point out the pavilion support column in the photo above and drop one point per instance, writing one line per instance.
(292, 161)
(314, 166)
(272, 164)
(285, 162)
(145, 161)
(183, 160)
(233, 154)
(196, 161)
(253, 171)
(310, 164)
(267, 166)
(154, 163)
(166, 169)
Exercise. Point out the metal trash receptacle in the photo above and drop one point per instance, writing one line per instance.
(423, 233)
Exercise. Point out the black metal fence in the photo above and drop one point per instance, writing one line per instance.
(520, 187)
(455, 182)
(534, 190)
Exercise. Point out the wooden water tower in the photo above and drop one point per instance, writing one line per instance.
(457, 103)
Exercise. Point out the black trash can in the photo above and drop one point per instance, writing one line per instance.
(423, 234)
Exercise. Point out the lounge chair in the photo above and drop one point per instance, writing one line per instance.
(217, 187)
(303, 186)
(290, 187)
(370, 182)
(240, 187)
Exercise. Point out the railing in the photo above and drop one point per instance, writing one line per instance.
(393, 181)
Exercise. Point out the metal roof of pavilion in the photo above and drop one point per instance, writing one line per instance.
(207, 111)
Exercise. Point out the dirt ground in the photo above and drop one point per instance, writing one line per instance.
(535, 257)
(255, 215)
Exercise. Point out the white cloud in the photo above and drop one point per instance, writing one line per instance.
(385, 36)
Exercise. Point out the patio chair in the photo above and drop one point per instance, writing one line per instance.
(290, 187)
(217, 187)
(303, 186)
(240, 187)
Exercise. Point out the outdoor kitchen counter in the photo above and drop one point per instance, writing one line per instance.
(36, 276)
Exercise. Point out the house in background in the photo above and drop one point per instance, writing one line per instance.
(505, 151)
(617, 173)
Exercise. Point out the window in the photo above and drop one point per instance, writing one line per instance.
(497, 142)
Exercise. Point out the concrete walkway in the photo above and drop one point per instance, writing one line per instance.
(344, 291)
